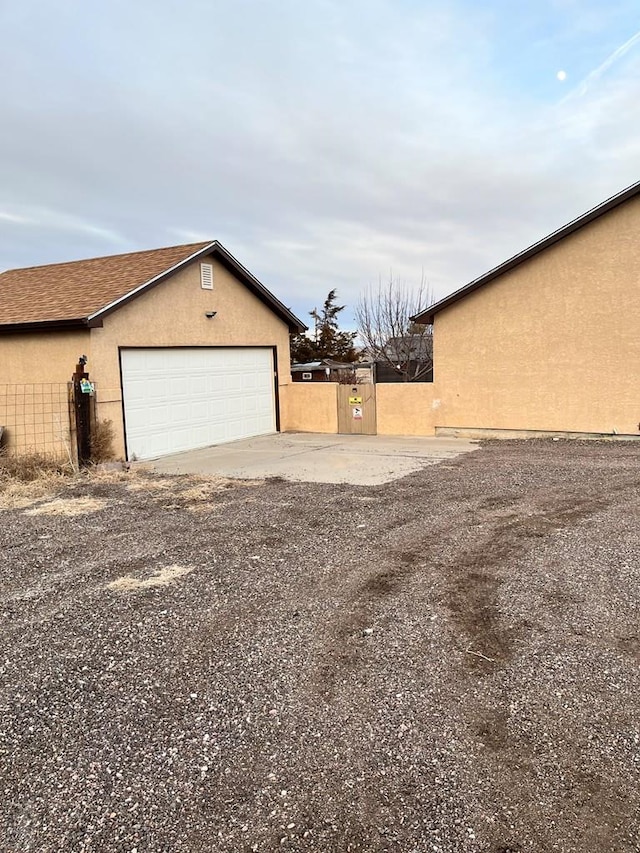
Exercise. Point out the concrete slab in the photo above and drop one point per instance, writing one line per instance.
(361, 460)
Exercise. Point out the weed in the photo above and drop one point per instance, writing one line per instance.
(102, 436)
(32, 466)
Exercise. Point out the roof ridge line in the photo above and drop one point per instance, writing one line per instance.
(107, 257)
(530, 251)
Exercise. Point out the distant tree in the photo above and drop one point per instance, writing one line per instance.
(383, 315)
(303, 348)
(330, 341)
(327, 340)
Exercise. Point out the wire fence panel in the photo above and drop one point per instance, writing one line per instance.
(36, 418)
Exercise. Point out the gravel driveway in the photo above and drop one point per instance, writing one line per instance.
(449, 662)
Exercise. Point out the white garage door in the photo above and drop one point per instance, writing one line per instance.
(180, 399)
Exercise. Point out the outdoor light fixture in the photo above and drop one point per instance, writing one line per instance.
(210, 314)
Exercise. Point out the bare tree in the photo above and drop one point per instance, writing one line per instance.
(383, 315)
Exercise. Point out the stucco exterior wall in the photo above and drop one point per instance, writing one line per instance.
(173, 314)
(309, 407)
(553, 344)
(35, 369)
(402, 409)
(37, 357)
(405, 408)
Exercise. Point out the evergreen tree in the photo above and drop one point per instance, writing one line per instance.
(327, 341)
(303, 349)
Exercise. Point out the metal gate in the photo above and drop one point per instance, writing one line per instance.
(357, 409)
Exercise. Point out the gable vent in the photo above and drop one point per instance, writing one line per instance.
(206, 276)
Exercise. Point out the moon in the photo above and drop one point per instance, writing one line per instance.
(561, 76)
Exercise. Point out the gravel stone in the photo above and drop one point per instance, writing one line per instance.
(448, 662)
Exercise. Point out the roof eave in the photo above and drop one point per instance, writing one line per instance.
(123, 300)
(217, 249)
(48, 325)
(294, 323)
(427, 316)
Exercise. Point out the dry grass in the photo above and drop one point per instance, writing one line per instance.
(18, 495)
(161, 577)
(28, 467)
(119, 475)
(24, 480)
(38, 482)
(68, 506)
(102, 436)
(194, 493)
(145, 483)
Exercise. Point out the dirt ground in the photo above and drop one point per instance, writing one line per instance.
(449, 662)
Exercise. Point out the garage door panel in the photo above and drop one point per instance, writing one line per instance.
(157, 415)
(155, 389)
(179, 399)
(233, 382)
(199, 410)
(182, 414)
(236, 406)
(178, 387)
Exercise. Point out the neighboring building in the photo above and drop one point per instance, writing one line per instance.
(405, 358)
(548, 340)
(329, 370)
(385, 372)
(417, 348)
(312, 371)
(186, 347)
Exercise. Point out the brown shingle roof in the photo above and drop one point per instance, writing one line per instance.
(76, 290)
(81, 292)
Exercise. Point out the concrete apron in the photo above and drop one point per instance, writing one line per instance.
(361, 460)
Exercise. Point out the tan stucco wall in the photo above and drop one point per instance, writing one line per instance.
(34, 373)
(405, 408)
(173, 314)
(41, 356)
(309, 407)
(402, 409)
(553, 344)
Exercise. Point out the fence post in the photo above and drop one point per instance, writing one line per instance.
(82, 408)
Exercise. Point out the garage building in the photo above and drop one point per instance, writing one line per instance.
(549, 340)
(185, 346)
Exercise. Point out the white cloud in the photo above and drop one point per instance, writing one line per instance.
(615, 56)
(56, 220)
(323, 143)
(15, 219)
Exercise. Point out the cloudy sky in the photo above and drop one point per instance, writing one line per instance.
(325, 143)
